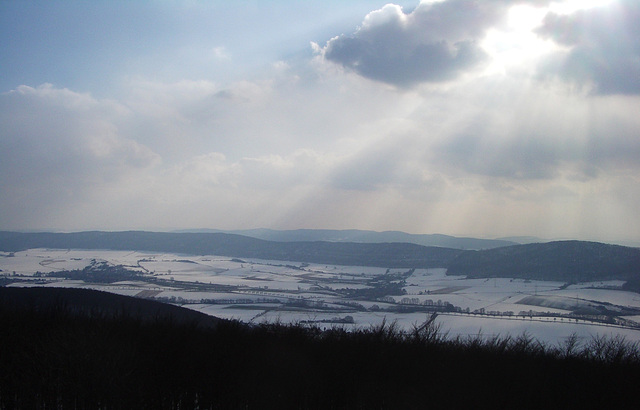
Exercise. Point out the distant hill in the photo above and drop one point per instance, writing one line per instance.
(363, 236)
(390, 255)
(521, 240)
(569, 261)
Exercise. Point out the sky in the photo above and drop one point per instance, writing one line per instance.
(484, 118)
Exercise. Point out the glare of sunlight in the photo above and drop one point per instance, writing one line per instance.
(525, 18)
(515, 46)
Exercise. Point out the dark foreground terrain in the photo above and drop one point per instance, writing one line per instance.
(59, 349)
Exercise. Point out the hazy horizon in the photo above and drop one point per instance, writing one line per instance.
(483, 119)
(519, 239)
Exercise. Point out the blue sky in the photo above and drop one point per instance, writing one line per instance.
(460, 117)
(94, 45)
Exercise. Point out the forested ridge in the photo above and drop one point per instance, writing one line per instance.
(567, 261)
(60, 355)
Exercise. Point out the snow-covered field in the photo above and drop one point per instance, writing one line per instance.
(255, 290)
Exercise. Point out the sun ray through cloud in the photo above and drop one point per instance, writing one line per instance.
(464, 117)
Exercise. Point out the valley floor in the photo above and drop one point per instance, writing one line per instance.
(258, 291)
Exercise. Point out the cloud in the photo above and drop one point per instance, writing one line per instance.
(448, 151)
(485, 156)
(436, 42)
(203, 172)
(56, 145)
(603, 47)
(221, 53)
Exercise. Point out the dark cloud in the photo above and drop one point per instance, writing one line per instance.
(435, 42)
(604, 47)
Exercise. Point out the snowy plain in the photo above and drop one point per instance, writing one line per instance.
(253, 290)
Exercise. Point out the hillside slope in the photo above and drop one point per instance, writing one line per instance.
(569, 261)
(91, 303)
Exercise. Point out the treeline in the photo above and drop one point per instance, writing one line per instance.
(95, 272)
(52, 357)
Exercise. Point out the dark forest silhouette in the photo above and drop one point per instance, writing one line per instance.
(65, 351)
